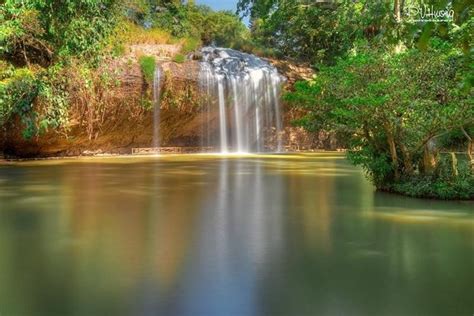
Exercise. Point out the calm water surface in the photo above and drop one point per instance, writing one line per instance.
(206, 235)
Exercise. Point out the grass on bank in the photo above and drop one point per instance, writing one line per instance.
(131, 33)
(179, 58)
(148, 66)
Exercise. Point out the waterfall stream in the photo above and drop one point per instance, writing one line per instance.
(156, 107)
(240, 110)
(244, 90)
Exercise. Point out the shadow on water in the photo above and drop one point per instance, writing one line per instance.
(226, 235)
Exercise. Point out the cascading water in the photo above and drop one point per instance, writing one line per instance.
(156, 107)
(242, 91)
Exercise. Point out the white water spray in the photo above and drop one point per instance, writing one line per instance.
(247, 91)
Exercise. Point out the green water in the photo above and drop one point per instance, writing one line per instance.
(212, 235)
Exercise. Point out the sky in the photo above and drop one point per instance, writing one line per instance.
(220, 4)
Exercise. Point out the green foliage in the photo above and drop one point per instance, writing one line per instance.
(320, 31)
(316, 33)
(179, 58)
(39, 100)
(391, 105)
(146, 103)
(53, 100)
(130, 33)
(148, 66)
(190, 44)
(396, 89)
(222, 28)
(455, 139)
(38, 39)
(44, 31)
(172, 16)
(196, 23)
(17, 91)
(441, 185)
(118, 50)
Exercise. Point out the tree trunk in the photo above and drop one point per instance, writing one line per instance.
(429, 158)
(27, 62)
(454, 165)
(470, 153)
(407, 161)
(393, 153)
(397, 10)
(470, 148)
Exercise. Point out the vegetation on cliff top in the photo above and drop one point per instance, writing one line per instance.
(45, 44)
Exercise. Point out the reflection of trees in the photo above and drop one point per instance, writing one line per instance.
(99, 231)
(374, 267)
(146, 223)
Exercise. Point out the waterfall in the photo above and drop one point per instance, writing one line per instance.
(222, 114)
(156, 107)
(241, 92)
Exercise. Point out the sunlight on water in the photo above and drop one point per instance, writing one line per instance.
(425, 216)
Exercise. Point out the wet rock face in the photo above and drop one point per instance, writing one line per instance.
(293, 71)
(233, 62)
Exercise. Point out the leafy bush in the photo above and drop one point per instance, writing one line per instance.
(317, 33)
(52, 100)
(172, 17)
(222, 28)
(321, 31)
(441, 185)
(451, 180)
(146, 103)
(39, 99)
(427, 187)
(18, 89)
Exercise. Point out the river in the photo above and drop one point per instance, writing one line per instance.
(296, 234)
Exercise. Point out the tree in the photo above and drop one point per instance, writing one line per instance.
(313, 33)
(321, 31)
(45, 30)
(391, 106)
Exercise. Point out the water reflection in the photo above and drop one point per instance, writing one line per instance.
(235, 244)
(205, 235)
